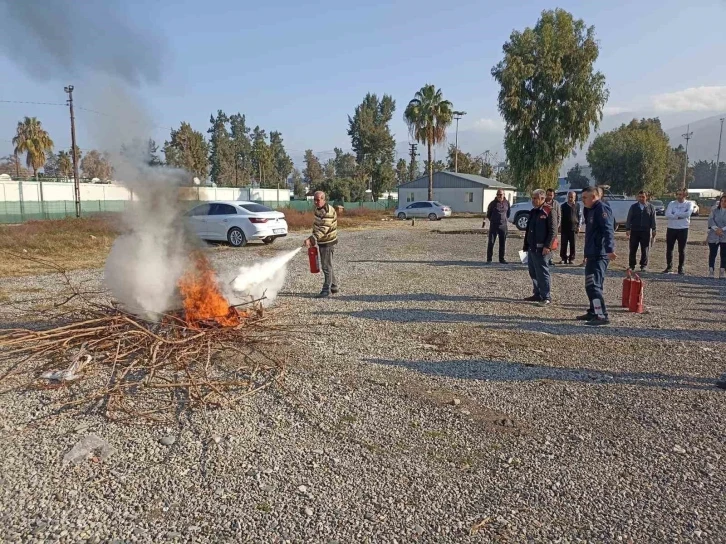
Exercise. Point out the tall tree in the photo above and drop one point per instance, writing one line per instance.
(466, 163)
(329, 169)
(504, 175)
(221, 156)
(576, 178)
(281, 160)
(50, 168)
(345, 164)
(96, 165)
(704, 172)
(550, 96)
(435, 166)
(631, 157)
(11, 166)
(401, 171)
(313, 172)
(298, 188)
(33, 140)
(187, 149)
(242, 147)
(428, 116)
(153, 153)
(372, 141)
(65, 164)
(263, 164)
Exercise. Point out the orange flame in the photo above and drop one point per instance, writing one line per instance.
(203, 301)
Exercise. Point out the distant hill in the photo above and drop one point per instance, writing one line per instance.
(703, 145)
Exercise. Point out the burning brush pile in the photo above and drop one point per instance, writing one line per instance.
(105, 358)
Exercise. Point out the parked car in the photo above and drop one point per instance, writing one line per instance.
(236, 221)
(519, 213)
(425, 208)
(659, 207)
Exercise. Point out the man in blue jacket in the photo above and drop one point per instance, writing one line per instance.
(599, 251)
(539, 241)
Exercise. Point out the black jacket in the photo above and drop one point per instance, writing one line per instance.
(571, 217)
(498, 212)
(541, 229)
(641, 220)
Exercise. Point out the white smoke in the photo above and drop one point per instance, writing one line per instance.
(262, 279)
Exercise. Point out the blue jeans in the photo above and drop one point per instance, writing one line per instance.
(539, 271)
(595, 269)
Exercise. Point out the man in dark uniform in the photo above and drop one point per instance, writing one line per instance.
(599, 251)
(498, 214)
(640, 230)
(571, 219)
(539, 238)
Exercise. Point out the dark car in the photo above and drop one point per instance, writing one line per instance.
(659, 207)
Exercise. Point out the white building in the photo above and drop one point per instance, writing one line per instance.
(461, 192)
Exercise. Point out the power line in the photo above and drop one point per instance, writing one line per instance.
(36, 103)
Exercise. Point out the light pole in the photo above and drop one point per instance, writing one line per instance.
(718, 155)
(457, 115)
(687, 136)
(76, 180)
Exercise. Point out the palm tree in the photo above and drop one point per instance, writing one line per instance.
(65, 165)
(33, 140)
(428, 115)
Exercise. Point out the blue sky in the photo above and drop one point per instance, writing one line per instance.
(302, 69)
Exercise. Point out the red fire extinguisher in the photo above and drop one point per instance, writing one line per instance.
(635, 304)
(627, 286)
(314, 258)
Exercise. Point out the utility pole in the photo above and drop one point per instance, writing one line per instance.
(687, 136)
(457, 115)
(74, 150)
(412, 154)
(718, 155)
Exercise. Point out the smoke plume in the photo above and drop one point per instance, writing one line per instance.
(262, 279)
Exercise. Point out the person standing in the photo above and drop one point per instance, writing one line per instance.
(556, 208)
(599, 251)
(716, 238)
(325, 235)
(571, 219)
(498, 215)
(640, 230)
(678, 213)
(539, 237)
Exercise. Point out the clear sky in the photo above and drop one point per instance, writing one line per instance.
(302, 68)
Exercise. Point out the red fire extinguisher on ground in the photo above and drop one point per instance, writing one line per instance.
(635, 302)
(627, 286)
(314, 258)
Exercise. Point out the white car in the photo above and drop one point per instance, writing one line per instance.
(236, 221)
(425, 208)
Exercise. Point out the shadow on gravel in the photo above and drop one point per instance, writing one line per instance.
(500, 371)
(521, 323)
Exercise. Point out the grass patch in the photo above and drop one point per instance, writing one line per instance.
(264, 507)
(70, 243)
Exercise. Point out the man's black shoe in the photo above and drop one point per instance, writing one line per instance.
(586, 317)
(334, 290)
(721, 382)
(668, 270)
(681, 272)
(322, 294)
(533, 299)
(502, 261)
(545, 302)
(598, 321)
(489, 262)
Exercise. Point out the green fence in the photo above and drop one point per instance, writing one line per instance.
(20, 212)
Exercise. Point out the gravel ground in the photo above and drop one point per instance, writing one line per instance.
(424, 403)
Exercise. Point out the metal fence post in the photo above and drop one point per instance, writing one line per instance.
(22, 203)
(42, 200)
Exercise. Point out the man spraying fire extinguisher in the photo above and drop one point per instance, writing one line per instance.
(599, 251)
(325, 237)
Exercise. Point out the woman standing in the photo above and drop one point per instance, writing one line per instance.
(717, 238)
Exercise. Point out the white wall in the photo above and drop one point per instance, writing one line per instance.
(54, 191)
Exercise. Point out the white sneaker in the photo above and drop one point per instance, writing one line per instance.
(722, 274)
(710, 273)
